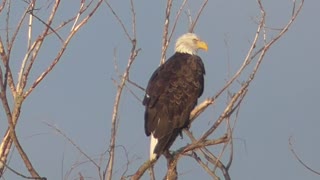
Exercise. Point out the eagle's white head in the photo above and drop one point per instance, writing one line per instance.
(190, 43)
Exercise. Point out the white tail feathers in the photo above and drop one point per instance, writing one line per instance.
(153, 143)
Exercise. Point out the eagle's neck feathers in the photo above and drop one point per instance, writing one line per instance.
(181, 48)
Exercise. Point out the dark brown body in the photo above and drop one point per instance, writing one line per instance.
(171, 95)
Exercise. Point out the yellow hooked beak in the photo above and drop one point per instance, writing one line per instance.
(202, 45)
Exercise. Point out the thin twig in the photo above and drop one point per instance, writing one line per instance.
(24, 61)
(72, 142)
(176, 19)
(133, 94)
(50, 28)
(18, 173)
(203, 165)
(136, 85)
(119, 20)
(165, 40)
(198, 15)
(78, 15)
(299, 159)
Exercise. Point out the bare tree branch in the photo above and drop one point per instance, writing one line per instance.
(2, 5)
(165, 40)
(175, 23)
(119, 21)
(204, 166)
(62, 50)
(133, 54)
(210, 157)
(18, 173)
(73, 143)
(19, 95)
(299, 159)
(12, 117)
(142, 169)
(191, 29)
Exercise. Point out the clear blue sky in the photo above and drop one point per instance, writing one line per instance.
(78, 95)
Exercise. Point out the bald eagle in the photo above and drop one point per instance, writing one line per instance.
(172, 93)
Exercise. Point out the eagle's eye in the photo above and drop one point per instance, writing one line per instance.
(194, 40)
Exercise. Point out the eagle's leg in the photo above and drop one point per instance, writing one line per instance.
(168, 156)
(172, 166)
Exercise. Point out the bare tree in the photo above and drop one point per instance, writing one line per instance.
(22, 86)
(197, 149)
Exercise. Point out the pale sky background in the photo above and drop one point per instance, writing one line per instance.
(78, 95)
